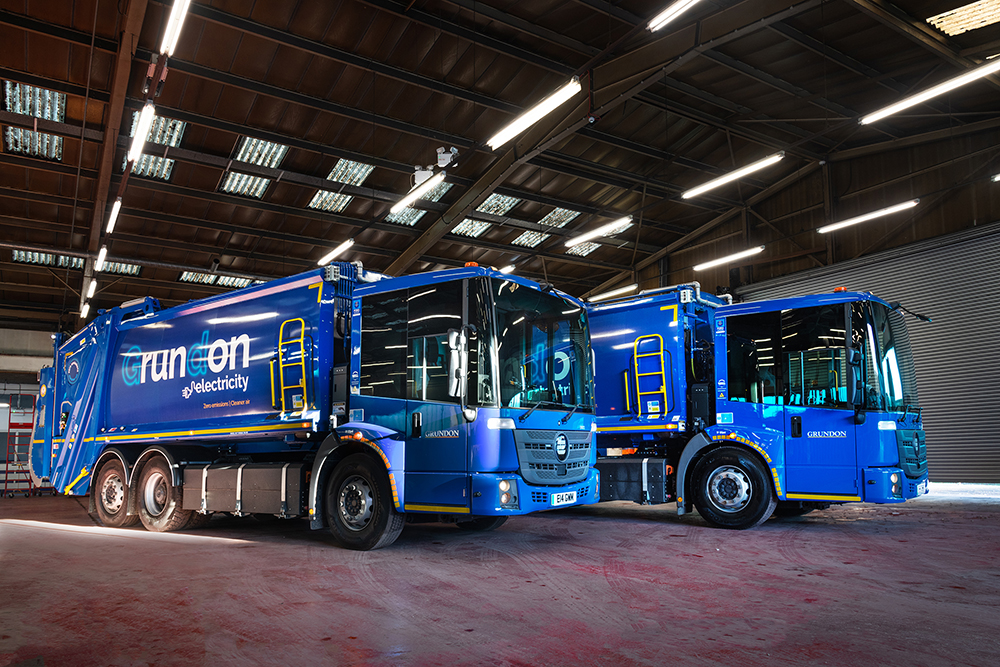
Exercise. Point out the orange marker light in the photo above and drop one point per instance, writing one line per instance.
(472, 263)
(839, 289)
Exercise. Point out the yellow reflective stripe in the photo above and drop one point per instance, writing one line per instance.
(652, 427)
(210, 431)
(437, 508)
(816, 496)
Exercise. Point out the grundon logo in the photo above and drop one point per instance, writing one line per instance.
(196, 360)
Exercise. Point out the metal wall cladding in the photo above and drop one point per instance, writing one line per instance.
(951, 279)
(538, 455)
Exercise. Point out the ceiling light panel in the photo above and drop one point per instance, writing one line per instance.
(345, 171)
(473, 228)
(558, 217)
(968, 17)
(37, 103)
(583, 249)
(495, 205)
(410, 216)
(164, 132)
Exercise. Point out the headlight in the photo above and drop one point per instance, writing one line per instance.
(894, 478)
(895, 489)
(504, 498)
(504, 485)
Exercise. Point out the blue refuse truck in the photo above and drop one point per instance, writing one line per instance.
(741, 411)
(343, 396)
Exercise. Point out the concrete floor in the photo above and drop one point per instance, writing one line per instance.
(612, 584)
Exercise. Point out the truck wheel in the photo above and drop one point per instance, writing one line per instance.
(159, 500)
(732, 489)
(482, 523)
(197, 520)
(112, 497)
(359, 505)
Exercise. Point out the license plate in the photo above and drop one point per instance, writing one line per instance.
(564, 498)
(922, 488)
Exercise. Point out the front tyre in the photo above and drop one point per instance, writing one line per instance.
(159, 500)
(111, 497)
(359, 505)
(732, 489)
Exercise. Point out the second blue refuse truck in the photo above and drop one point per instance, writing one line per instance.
(339, 395)
(743, 410)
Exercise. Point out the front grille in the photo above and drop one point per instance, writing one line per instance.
(912, 449)
(539, 497)
(539, 462)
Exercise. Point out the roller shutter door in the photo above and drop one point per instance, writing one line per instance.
(954, 280)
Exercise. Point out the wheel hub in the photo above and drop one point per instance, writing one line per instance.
(729, 488)
(112, 493)
(356, 503)
(155, 494)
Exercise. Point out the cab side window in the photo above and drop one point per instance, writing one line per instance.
(383, 345)
(754, 350)
(813, 341)
(433, 310)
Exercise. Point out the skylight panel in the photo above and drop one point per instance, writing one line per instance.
(121, 268)
(410, 216)
(199, 278)
(496, 205)
(557, 217)
(345, 171)
(471, 228)
(164, 132)
(47, 259)
(967, 17)
(245, 185)
(232, 281)
(261, 153)
(38, 103)
(584, 249)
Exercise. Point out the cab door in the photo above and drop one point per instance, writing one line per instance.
(821, 459)
(437, 447)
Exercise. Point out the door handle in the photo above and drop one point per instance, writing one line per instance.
(417, 420)
(796, 427)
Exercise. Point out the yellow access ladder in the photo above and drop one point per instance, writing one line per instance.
(642, 370)
(291, 357)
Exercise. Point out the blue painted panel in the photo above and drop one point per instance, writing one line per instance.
(824, 459)
(425, 488)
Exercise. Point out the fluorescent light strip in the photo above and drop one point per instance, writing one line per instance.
(996, 177)
(84, 311)
(507, 269)
(670, 13)
(115, 210)
(614, 292)
(600, 231)
(535, 113)
(336, 252)
(101, 256)
(174, 25)
(92, 289)
(940, 89)
(729, 258)
(141, 131)
(868, 216)
(418, 192)
(732, 176)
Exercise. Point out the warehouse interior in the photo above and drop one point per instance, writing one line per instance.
(279, 135)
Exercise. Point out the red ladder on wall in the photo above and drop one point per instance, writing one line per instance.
(20, 421)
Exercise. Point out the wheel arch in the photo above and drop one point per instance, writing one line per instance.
(111, 454)
(345, 441)
(700, 446)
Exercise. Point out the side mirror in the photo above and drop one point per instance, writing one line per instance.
(853, 356)
(458, 362)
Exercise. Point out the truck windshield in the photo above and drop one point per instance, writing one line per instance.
(543, 349)
(892, 368)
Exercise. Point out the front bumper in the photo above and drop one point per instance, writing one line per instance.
(878, 485)
(530, 497)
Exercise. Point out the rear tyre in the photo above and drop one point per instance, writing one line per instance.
(732, 489)
(359, 505)
(159, 500)
(482, 523)
(111, 497)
